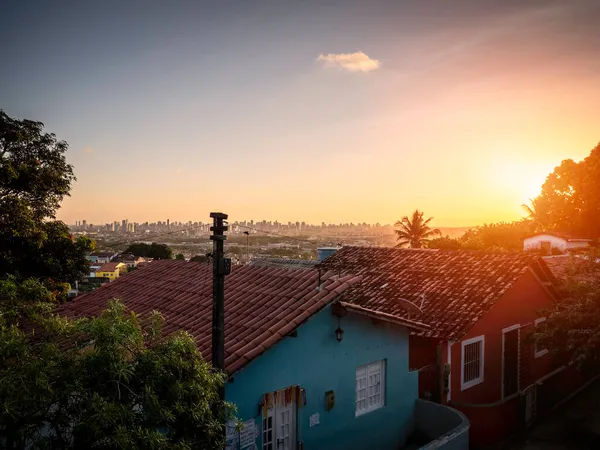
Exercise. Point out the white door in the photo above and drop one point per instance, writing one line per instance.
(268, 423)
(284, 428)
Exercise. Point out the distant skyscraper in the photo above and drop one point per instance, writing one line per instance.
(124, 225)
(84, 224)
(168, 223)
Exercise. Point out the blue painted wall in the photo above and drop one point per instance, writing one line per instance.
(318, 363)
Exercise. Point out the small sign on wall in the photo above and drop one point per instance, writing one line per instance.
(314, 419)
(248, 433)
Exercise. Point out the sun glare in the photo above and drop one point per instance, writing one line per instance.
(521, 180)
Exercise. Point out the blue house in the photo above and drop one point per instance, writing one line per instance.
(306, 370)
(355, 393)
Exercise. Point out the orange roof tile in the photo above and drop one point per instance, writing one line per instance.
(448, 290)
(108, 267)
(262, 304)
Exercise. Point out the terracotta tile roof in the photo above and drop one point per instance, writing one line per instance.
(103, 254)
(262, 304)
(448, 290)
(108, 267)
(283, 262)
(569, 267)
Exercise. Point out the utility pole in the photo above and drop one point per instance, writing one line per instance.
(221, 267)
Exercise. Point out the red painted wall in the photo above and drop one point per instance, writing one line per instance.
(422, 357)
(519, 305)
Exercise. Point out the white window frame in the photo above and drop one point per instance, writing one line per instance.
(376, 366)
(539, 353)
(449, 362)
(469, 384)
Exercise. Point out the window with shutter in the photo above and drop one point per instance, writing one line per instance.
(370, 387)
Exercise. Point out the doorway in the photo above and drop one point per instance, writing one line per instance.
(510, 361)
(279, 425)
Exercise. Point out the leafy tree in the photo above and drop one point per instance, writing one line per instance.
(110, 382)
(34, 178)
(199, 258)
(506, 236)
(33, 167)
(414, 231)
(180, 256)
(537, 215)
(445, 243)
(571, 197)
(572, 328)
(154, 250)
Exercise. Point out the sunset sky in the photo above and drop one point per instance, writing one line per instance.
(314, 110)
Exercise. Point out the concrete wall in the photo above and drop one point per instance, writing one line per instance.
(447, 428)
(535, 242)
(315, 361)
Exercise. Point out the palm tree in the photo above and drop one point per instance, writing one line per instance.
(414, 231)
(535, 213)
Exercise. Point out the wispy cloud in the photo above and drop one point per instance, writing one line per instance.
(353, 62)
(88, 150)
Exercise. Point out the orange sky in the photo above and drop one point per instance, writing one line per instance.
(338, 111)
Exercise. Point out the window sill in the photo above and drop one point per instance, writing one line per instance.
(364, 413)
(541, 353)
(470, 384)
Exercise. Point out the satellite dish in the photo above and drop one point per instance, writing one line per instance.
(409, 306)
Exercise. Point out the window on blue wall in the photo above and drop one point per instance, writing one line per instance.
(370, 387)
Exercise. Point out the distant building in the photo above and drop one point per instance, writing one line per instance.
(131, 261)
(559, 241)
(101, 256)
(112, 270)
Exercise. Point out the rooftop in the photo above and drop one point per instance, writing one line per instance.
(566, 268)
(448, 290)
(108, 267)
(283, 262)
(262, 304)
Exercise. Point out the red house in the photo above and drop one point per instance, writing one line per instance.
(481, 307)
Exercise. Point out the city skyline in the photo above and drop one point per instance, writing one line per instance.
(335, 111)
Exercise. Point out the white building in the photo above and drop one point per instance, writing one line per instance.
(549, 241)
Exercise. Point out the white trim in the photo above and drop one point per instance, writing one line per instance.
(539, 354)
(504, 331)
(466, 385)
(449, 362)
(362, 374)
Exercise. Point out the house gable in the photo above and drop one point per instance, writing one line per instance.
(520, 305)
(318, 363)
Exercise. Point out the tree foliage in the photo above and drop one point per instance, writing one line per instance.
(179, 256)
(415, 231)
(154, 250)
(570, 197)
(199, 258)
(503, 236)
(34, 178)
(33, 168)
(445, 243)
(572, 328)
(112, 382)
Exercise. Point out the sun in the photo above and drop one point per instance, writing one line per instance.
(519, 179)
